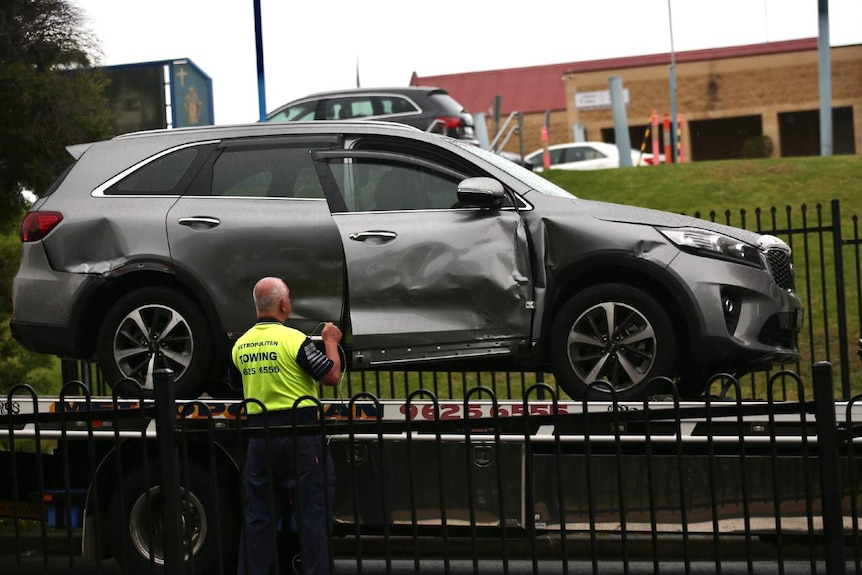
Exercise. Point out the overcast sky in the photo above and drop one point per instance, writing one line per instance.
(315, 46)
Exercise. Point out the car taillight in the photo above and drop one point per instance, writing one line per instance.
(450, 122)
(37, 225)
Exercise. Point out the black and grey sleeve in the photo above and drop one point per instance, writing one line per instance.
(313, 361)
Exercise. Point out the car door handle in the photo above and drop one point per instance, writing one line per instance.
(199, 222)
(379, 236)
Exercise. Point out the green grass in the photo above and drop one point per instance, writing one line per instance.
(731, 184)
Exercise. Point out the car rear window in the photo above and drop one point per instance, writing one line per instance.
(159, 177)
(447, 103)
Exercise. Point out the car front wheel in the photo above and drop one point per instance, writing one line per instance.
(153, 328)
(614, 333)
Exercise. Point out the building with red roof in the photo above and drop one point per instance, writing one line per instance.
(732, 102)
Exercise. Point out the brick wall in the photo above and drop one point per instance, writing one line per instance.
(755, 85)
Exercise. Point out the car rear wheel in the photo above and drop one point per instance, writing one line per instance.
(614, 333)
(153, 328)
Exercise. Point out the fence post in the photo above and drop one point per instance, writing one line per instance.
(166, 420)
(840, 299)
(830, 486)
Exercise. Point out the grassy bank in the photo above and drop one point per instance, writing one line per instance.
(734, 185)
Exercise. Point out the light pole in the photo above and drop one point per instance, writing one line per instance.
(258, 44)
(672, 90)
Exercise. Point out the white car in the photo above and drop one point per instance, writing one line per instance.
(586, 156)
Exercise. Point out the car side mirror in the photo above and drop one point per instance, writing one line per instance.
(481, 193)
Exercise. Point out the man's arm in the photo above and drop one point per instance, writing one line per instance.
(331, 336)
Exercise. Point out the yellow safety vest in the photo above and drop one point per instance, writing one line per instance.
(266, 357)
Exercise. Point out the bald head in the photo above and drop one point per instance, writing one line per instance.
(272, 298)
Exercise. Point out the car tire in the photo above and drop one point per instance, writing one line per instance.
(132, 344)
(209, 524)
(583, 349)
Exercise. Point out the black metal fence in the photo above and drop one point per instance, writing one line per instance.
(828, 278)
(477, 485)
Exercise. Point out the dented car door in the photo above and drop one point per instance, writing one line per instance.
(427, 277)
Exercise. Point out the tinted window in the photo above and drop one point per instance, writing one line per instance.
(556, 156)
(265, 172)
(361, 107)
(337, 109)
(374, 185)
(159, 177)
(298, 113)
(447, 103)
(395, 105)
(593, 154)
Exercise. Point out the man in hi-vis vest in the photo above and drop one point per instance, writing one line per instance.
(279, 365)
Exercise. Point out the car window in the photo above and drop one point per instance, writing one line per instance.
(361, 107)
(161, 176)
(447, 103)
(268, 172)
(395, 105)
(377, 185)
(573, 155)
(348, 108)
(298, 113)
(592, 154)
(556, 155)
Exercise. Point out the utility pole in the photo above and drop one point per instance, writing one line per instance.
(825, 72)
(673, 117)
(258, 43)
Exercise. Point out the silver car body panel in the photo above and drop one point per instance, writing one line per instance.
(436, 284)
(41, 294)
(250, 238)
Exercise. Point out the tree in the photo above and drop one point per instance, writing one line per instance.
(50, 97)
(16, 364)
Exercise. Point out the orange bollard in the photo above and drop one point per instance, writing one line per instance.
(546, 155)
(668, 154)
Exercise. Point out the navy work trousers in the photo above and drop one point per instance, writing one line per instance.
(303, 478)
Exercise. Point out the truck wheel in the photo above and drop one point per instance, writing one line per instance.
(615, 333)
(154, 328)
(209, 525)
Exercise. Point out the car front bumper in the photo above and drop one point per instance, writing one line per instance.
(745, 322)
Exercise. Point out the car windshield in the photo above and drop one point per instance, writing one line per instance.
(533, 180)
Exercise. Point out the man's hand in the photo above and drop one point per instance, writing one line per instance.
(330, 333)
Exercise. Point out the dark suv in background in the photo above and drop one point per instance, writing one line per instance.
(429, 252)
(427, 108)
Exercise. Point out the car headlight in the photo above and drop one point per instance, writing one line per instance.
(712, 244)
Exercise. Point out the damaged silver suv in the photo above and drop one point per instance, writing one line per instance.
(431, 253)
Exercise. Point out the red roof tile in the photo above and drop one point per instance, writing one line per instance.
(519, 87)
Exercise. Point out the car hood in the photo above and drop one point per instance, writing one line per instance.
(637, 215)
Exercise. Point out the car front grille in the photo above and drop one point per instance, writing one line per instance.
(781, 267)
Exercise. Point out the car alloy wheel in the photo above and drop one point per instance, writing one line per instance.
(152, 337)
(615, 333)
(612, 341)
(154, 328)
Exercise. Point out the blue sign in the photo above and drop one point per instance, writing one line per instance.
(191, 95)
